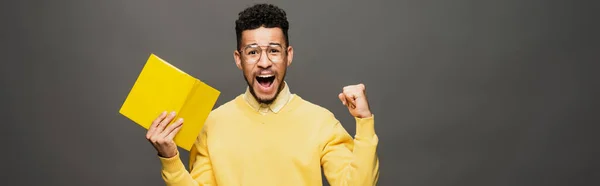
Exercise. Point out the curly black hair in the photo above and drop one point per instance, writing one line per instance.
(266, 15)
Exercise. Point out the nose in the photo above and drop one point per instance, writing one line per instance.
(264, 61)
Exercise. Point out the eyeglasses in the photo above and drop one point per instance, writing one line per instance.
(252, 53)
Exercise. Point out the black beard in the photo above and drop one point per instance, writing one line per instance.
(265, 101)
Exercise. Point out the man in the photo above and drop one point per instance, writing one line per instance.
(269, 136)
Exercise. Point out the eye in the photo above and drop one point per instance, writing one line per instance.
(252, 52)
(274, 51)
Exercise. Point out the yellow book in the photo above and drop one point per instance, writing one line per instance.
(163, 87)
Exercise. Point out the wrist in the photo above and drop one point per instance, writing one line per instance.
(168, 155)
(365, 115)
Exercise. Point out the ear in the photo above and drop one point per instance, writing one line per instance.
(290, 56)
(236, 57)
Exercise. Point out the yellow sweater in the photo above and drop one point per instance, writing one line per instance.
(241, 144)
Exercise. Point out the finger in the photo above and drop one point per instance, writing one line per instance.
(363, 89)
(171, 127)
(161, 126)
(346, 89)
(350, 94)
(175, 131)
(350, 100)
(362, 86)
(155, 123)
(354, 96)
(342, 98)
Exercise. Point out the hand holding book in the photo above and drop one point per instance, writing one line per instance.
(162, 136)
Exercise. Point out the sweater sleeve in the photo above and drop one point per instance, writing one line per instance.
(348, 161)
(174, 172)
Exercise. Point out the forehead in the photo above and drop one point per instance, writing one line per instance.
(263, 36)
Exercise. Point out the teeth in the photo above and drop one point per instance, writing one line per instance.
(265, 76)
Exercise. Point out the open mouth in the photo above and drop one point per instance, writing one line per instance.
(265, 80)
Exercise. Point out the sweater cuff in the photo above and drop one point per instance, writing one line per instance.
(365, 127)
(172, 164)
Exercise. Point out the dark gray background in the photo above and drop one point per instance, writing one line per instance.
(465, 92)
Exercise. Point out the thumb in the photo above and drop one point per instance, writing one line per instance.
(342, 98)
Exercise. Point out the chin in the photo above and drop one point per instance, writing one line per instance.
(265, 92)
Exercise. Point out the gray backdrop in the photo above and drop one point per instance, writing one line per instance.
(465, 92)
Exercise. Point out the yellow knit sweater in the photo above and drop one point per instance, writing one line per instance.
(288, 146)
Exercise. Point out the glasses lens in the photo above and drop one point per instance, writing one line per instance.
(252, 53)
(275, 53)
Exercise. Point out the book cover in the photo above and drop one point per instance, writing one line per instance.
(161, 86)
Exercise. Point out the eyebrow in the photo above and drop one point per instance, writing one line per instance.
(257, 44)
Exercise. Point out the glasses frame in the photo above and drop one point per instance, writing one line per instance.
(243, 55)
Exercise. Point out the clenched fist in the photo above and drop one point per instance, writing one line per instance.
(355, 98)
(161, 136)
